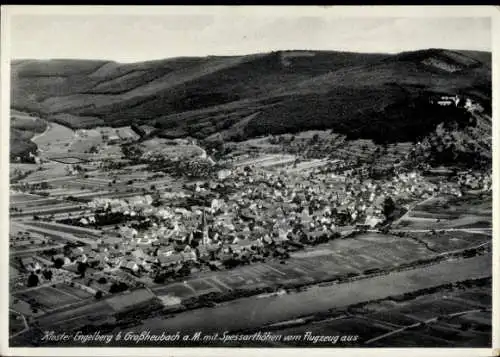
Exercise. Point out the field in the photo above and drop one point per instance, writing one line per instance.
(51, 209)
(455, 207)
(268, 161)
(124, 133)
(361, 255)
(62, 145)
(58, 232)
(23, 198)
(16, 323)
(171, 149)
(75, 316)
(38, 205)
(55, 139)
(308, 165)
(446, 212)
(48, 172)
(451, 240)
(42, 201)
(49, 298)
(87, 311)
(68, 160)
(77, 231)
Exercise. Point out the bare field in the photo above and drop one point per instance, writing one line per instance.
(54, 138)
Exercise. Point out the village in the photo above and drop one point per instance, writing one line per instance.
(245, 214)
(135, 221)
(270, 182)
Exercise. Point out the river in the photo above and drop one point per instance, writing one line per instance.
(256, 312)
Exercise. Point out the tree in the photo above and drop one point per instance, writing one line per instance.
(82, 267)
(389, 206)
(47, 274)
(98, 294)
(102, 280)
(118, 287)
(33, 280)
(315, 139)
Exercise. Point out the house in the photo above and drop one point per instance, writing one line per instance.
(372, 221)
(76, 252)
(101, 257)
(113, 139)
(131, 266)
(188, 256)
(225, 254)
(82, 258)
(223, 174)
(169, 260)
(240, 244)
(30, 264)
(281, 238)
(167, 250)
(111, 241)
(139, 254)
(203, 252)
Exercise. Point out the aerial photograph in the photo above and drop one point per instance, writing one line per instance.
(233, 180)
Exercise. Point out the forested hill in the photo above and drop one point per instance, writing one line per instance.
(245, 96)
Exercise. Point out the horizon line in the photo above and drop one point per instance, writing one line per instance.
(244, 54)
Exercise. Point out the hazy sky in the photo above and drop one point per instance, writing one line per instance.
(136, 38)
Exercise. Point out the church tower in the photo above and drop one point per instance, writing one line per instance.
(204, 228)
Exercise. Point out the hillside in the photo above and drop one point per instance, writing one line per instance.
(286, 91)
(23, 128)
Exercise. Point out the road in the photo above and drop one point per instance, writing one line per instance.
(26, 326)
(47, 128)
(411, 208)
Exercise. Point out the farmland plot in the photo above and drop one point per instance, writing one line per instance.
(49, 171)
(449, 241)
(23, 198)
(85, 311)
(55, 138)
(47, 298)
